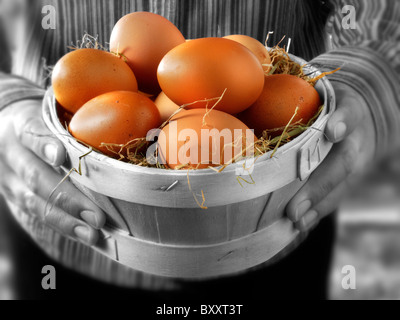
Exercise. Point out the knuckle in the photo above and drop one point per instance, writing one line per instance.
(63, 201)
(36, 145)
(325, 188)
(31, 177)
(52, 216)
(348, 160)
(30, 203)
(25, 127)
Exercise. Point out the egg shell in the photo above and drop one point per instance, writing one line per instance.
(144, 38)
(114, 118)
(189, 134)
(166, 106)
(255, 46)
(205, 68)
(277, 104)
(84, 74)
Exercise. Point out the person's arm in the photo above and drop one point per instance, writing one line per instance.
(366, 124)
(369, 56)
(28, 151)
(14, 89)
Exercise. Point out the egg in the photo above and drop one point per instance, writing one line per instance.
(144, 38)
(198, 139)
(206, 68)
(114, 118)
(277, 104)
(255, 46)
(166, 107)
(84, 74)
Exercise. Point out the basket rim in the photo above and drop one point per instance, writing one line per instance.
(51, 119)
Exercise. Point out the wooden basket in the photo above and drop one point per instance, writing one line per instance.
(154, 224)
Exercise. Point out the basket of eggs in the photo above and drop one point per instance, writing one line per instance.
(192, 148)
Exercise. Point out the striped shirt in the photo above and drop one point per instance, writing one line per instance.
(369, 55)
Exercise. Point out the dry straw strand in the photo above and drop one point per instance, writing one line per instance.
(78, 171)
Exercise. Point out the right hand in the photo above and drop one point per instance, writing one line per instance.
(29, 152)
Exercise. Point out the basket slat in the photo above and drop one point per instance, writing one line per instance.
(199, 262)
(156, 226)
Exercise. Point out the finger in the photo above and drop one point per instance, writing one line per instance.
(42, 179)
(309, 222)
(17, 192)
(326, 206)
(12, 187)
(346, 118)
(61, 220)
(33, 134)
(340, 163)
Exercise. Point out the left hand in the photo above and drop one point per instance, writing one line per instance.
(29, 154)
(352, 130)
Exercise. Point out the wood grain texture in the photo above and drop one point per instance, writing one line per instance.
(87, 260)
(147, 186)
(191, 262)
(179, 226)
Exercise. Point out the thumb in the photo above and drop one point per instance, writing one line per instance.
(348, 115)
(34, 135)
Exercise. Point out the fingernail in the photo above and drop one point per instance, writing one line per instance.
(340, 131)
(82, 233)
(50, 152)
(91, 218)
(302, 209)
(309, 221)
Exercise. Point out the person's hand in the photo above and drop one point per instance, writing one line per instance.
(28, 155)
(352, 130)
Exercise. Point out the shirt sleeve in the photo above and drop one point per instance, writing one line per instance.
(368, 54)
(14, 89)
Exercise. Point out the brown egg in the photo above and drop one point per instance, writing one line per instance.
(144, 38)
(277, 104)
(114, 118)
(255, 46)
(166, 106)
(206, 68)
(196, 139)
(84, 74)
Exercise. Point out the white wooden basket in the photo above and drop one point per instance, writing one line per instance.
(154, 224)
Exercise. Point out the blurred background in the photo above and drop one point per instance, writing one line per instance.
(368, 234)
